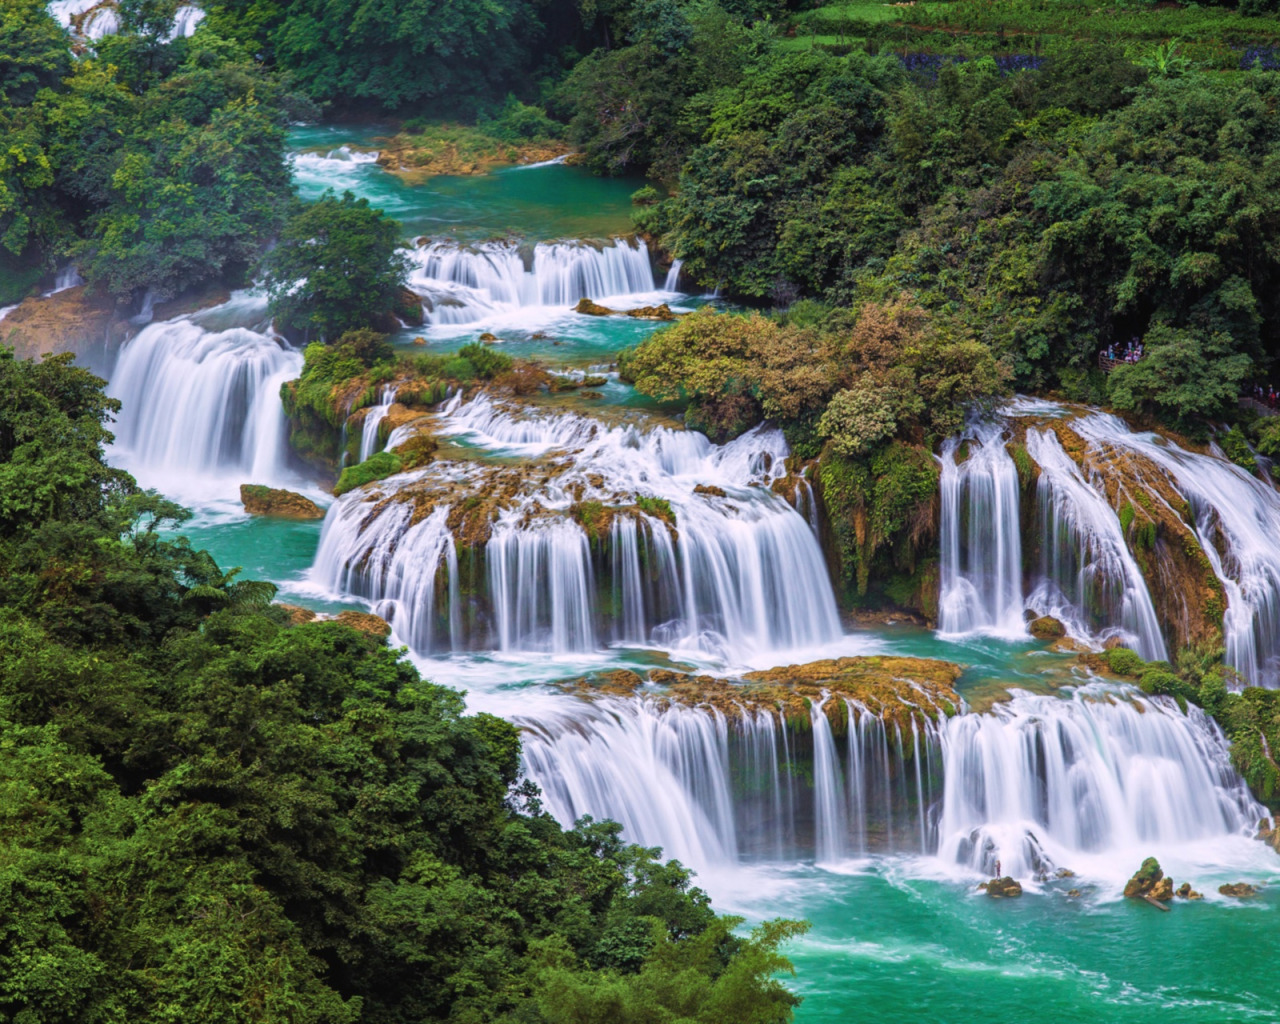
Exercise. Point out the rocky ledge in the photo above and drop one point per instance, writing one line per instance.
(893, 689)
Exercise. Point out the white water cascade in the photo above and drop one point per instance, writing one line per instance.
(714, 790)
(1037, 784)
(745, 576)
(373, 420)
(1043, 782)
(1237, 522)
(201, 410)
(463, 284)
(981, 566)
(1088, 577)
(672, 283)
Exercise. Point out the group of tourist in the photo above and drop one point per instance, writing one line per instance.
(1129, 353)
(1267, 394)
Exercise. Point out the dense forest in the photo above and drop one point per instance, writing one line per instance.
(211, 809)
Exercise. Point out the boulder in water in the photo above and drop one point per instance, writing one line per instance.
(999, 888)
(589, 308)
(1144, 880)
(1269, 832)
(1185, 892)
(1240, 890)
(1047, 628)
(259, 500)
(662, 312)
(488, 338)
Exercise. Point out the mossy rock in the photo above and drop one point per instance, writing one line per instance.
(1047, 628)
(662, 312)
(710, 490)
(1144, 880)
(589, 308)
(366, 622)
(259, 500)
(377, 467)
(1003, 888)
(417, 451)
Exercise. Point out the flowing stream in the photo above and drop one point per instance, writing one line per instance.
(621, 542)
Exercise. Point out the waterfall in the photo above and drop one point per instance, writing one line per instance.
(373, 420)
(672, 283)
(742, 574)
(1042, 780)
(1237, 522)
(201, 409)
(465, 284)
(981, 568)
(1038, 783)
(714, 790)
(1088, 577)
(67, 277)
(414, 583)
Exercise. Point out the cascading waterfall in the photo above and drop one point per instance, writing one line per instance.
(1042, 780)
(672, 282)
(745, 576)
(202, 408)
(1088, 577)
(981, 566)
(373, 420)
(464, 284)
(1237, 522)
(1036, 784)
(713, 789)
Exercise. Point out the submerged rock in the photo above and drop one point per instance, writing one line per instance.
(1047, 628)
(1240, 890)
(259, 500)
(999, 888)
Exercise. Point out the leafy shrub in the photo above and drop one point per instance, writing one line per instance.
(486, 361)
(1124, 662)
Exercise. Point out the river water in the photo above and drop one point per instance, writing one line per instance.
(877, 834)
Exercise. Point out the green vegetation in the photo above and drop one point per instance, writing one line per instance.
(337, 267)
(211, 814)
(376, 467)
(154, 166)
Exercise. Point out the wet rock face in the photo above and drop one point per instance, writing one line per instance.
(69, 321)
(280, 504)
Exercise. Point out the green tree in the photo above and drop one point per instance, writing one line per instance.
(336, 267)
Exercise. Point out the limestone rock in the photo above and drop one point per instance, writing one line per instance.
(366, 622)
(1145, 879)
(662, 312)
(999, 888)
(488, 338)
(1047, 628)
(279, 504)
(1187, 893)
(1240, 890)
(1269, 832)
(710, 490)
(297, 614)
(589, 308)
(1163, 890)
(69, 321)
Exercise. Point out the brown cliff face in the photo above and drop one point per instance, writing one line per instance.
(70, 321)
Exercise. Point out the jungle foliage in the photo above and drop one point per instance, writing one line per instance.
(211, 814)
